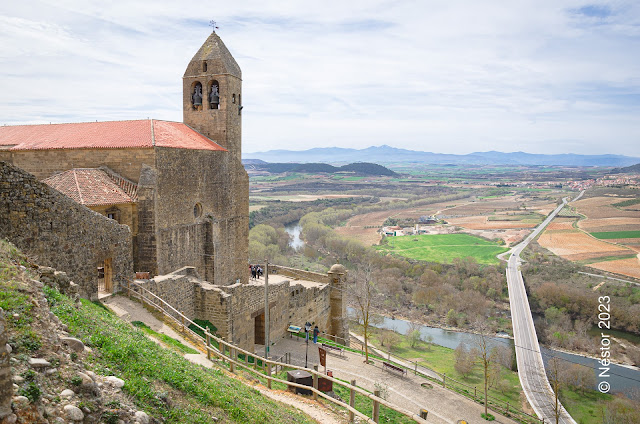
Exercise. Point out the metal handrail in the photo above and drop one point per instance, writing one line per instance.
(235, 350)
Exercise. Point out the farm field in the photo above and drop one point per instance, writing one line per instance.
(610, 224)
(575, 245)
(629, 267)
(444, 248)
(484, 223)
(365, 227)
(606, 235)
(602, 207)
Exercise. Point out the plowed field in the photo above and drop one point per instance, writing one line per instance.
(482, 223)
(600, 207)
(576, 245)
(629, 267)
(610, 224)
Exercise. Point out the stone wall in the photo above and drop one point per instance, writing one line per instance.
(310, 304)
(299, 274)
(45, 163)
(177, 289)
(197, 187)
(61, 233)
(6, 385)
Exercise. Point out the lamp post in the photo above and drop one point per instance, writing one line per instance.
(307, 327)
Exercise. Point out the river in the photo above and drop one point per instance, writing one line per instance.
(294, 229)
(621, 379)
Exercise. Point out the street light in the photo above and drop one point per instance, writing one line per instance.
(307, 327)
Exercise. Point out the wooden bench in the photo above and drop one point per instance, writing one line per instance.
(331, 348)
(391, 367)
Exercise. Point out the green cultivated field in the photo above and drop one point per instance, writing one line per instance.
(616, 234)
(444, 248)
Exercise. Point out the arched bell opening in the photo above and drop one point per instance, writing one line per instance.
(196, 95)
(214, 95)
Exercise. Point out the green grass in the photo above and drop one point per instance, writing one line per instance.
(442, 360)
(606, 235)
(152, 373)
(443, 248)
(630, 202)
(168, 341)
(585, 408)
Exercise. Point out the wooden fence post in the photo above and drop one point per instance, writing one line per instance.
(315, 381)
(208, 345)
(182, 317)
(475, 392)
(444, 378)
(129, 289)
(231, 358)
(376, 407)
(506, 411)
(269, 375)
(416, 368)
(352, 402)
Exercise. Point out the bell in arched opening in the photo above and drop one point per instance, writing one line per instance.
(196, 97)
(214, 96)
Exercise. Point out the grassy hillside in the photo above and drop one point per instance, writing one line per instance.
(159, 381)
(444, 248)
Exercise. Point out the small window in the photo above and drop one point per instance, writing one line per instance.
(233, 98)
(197, 210)
(111, 215)
(204, 66)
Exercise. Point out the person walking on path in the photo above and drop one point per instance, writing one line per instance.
(316, 331)
(253, 272)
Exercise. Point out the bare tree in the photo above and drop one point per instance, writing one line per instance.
(363, 292)
(556, 379)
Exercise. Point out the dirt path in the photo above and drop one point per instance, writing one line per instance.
(130, 311)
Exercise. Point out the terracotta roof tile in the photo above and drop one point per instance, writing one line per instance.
(93, 187)
(104, 135)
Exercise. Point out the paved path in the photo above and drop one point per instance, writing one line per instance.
(530, 366)
(129, 311)
(444, 406)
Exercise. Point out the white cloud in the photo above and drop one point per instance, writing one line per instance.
(539, 76)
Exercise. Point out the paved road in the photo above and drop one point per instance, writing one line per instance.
(530, 366)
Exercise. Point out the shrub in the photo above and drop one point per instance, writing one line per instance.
(31, 391)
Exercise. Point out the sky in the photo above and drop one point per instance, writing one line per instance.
(441, 76)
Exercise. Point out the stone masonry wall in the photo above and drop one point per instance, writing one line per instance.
(45, 163)
(177, 289)
(196, 187)
(310, 304)
(299, 274)
(247, 302)
(60, 232)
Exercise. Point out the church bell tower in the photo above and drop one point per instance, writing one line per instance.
(212, 95)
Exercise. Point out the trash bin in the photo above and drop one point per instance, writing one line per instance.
(300, 377)
(326, 385)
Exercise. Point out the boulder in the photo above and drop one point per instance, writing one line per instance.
(38, 363)
(73, 413)
(73, 343)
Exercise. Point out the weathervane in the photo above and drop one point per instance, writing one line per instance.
(213, 24)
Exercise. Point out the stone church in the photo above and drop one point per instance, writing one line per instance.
(180, 187)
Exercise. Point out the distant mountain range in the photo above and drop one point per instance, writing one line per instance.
(360, 168)
(388, 154)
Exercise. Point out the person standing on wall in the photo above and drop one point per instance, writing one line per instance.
(316, 332)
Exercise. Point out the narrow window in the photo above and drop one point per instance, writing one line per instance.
(204, 66)
(197, 210)
(214, 95)
(233, 98)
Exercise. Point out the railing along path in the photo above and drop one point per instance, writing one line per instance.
(268, 365)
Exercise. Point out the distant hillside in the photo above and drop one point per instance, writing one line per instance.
(633, 169)
(360, 168)
(388, 154)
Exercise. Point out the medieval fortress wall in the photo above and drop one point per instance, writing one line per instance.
(61, 233)
(237, 310)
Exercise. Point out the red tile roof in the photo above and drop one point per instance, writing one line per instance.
(104, 135)
(93, 187)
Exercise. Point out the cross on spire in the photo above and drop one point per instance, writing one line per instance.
(212, 23)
